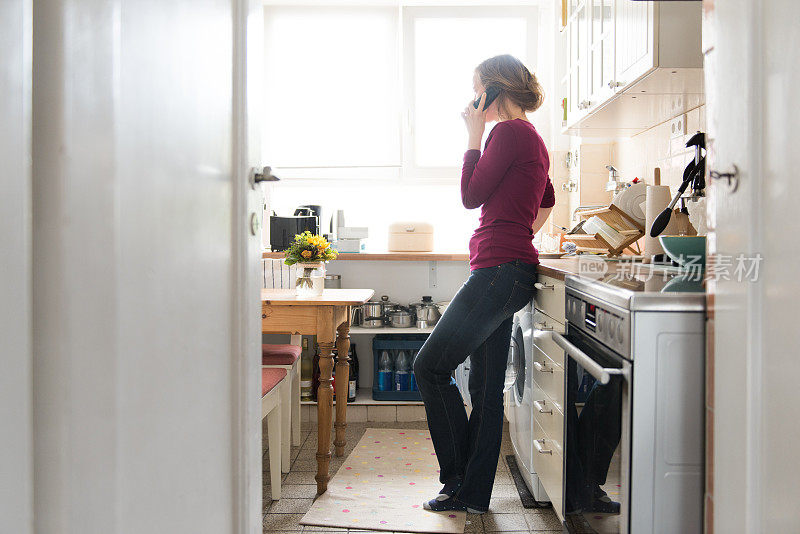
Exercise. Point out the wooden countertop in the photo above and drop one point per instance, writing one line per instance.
(329, 297)
(387, 256)
(398, 256)
(558, 268)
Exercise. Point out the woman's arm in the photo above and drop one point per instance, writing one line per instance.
(481, 174)
(545, 206)
(541, 218)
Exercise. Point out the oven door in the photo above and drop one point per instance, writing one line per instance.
(597, 435)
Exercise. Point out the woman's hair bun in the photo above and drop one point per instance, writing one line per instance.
(517, 84)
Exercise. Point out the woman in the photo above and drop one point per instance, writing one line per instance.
(510, 183)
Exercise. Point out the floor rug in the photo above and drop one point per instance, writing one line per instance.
(382, 484)
(525, 495)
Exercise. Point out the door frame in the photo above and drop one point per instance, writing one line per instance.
(16, 242)
(246, 326)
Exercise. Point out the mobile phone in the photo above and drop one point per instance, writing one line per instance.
(491, 94)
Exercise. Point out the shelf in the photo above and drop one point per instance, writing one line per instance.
(364, 398)
(390, 330)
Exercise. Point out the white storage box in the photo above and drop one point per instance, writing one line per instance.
(411, 237)
(350, 245)
(352, 232)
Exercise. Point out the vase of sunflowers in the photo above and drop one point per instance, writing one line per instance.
(309, 252)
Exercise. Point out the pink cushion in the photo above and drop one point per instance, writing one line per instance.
(271, 377)
(279, 354)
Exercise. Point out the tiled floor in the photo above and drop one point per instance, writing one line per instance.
(506, 513)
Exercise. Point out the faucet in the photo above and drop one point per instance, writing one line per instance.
(613, 184)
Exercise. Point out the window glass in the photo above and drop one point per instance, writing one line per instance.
(446, 52)
(331, 85)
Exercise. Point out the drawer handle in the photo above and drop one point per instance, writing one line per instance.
(538, 444)
(542, 326)
(539, 405)
(542, 367)
(540, 285)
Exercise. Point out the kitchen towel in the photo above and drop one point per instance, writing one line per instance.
(382, 484)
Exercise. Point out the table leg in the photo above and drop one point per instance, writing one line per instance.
(342, 384)
(324, 408)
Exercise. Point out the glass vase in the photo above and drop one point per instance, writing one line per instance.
(310, 280)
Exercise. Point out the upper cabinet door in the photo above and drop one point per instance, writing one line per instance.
(601, 50)
(635, 48)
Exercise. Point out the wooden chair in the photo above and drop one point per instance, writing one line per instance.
(274, 396)
(279, 275)
(287, 357)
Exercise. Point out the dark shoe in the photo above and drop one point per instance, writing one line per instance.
(449, 489)
(450, 504)
(602, 503)
(444, 505)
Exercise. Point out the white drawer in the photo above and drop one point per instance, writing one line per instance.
(549, 297)
(548, 377)
(549, 465)
(542, 324)
(551, 420)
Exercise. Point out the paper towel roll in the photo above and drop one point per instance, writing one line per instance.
(658, 197)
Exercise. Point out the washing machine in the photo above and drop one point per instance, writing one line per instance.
(519, 399)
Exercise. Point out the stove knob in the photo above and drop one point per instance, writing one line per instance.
(599, 322)
(619, 331)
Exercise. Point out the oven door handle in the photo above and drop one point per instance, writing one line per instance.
(602, 374)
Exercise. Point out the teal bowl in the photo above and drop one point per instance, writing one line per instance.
(685, 248)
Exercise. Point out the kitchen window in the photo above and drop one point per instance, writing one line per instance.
(356, 93)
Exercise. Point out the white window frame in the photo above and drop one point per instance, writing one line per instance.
(408, 172)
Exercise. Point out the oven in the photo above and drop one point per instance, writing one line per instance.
(598, 415)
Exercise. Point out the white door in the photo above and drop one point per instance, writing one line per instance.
(16, 439)
(751, 70)
(146, 369)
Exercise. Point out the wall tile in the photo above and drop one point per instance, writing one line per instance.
(382, 413)
(410, 413)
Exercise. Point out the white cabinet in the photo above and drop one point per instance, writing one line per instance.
(548, 388)
(634, 51)
(647, 52)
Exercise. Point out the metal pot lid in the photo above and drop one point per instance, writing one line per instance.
(399, 313)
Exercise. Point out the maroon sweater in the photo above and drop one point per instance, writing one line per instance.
(510, 181)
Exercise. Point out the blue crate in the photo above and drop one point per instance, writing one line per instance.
(394, 343)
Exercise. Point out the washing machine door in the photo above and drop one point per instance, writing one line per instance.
(520, 395)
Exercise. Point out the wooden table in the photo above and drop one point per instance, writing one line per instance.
(328, 318)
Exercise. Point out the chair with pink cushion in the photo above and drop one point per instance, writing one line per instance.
(274, 396)
(287, 357)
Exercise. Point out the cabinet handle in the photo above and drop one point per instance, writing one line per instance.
(541, 450)
(539, 405)
(540, 285)
(542, 326)
(542, 367)
(614, 84)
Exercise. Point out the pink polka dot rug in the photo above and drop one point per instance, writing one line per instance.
(382, 485)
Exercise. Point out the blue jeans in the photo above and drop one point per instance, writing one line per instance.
(477, 323)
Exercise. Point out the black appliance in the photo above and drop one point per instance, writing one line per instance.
(283, 229)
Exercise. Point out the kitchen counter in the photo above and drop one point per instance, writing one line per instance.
(557, 267)
(398, 256)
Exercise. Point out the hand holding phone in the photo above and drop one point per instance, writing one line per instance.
(491, 95)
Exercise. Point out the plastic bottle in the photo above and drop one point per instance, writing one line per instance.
(352, 390)
(385, 372)
(402, 372)
(412, 380)
(306, 372)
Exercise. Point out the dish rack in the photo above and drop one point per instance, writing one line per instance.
(629, 228)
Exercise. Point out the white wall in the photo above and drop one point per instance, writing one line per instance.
(16, 462)
(132, 200)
